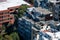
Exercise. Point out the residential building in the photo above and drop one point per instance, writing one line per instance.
(6, 8)
(56, 10)
(24, 29)
(6, 17)
(44, 12)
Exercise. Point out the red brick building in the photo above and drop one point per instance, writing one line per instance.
(6, 17)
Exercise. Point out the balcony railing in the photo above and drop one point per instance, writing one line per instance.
(4, 21)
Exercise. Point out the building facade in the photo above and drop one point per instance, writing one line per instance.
(6, 17)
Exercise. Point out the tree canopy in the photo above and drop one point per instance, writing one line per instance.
(22, 9)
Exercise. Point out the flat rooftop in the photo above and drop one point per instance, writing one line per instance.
(54, 1)
(11, 3)
(42, 10)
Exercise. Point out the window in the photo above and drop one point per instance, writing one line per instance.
(59, 11)
(1, 13)
(59, 18)
(59, 14)
(1, 16)
(0, 20)
(58, 3)
(8, 15)
(59, 7)
(11, 18)
(8, 19)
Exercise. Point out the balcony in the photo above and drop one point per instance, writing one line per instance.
(4, 21)
(4, 14)
(7, 19)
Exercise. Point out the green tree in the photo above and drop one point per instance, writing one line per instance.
(15, 36)
(22, 9)
(12, 36)
(7, 37)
